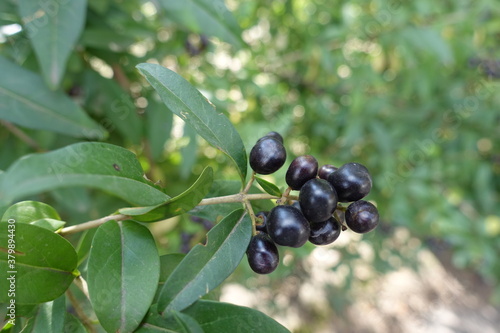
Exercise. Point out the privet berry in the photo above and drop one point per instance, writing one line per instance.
(318, 200)
(267, 156)
(326, 170)
(352, 181)
(262, 254)
(302, 169)
(287, 226)
(323, 233)
(361, 216)
(262, 216)
(274, 135)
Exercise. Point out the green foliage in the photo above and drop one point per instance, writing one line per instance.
(405, 88)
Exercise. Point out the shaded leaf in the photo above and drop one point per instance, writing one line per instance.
(206, 266)
(73, 325)
(44, 263)
(180, 204)
(97, 165)
(123, 273)
(53, 29)
(168, 263)
(205, 17)
(215, 317)
(50, 317)
(159, 125)
(171, 322)
(192, 107)
(27, 101)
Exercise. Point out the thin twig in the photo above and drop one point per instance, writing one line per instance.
(82, 285)
(22, 136)
(91, 224)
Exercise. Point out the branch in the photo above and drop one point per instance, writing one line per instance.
(91, 224)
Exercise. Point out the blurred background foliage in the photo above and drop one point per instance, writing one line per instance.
(410, 89)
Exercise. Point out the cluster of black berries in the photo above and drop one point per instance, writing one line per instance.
(313, 216)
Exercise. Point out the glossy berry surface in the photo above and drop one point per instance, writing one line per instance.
(326, 232)
(302, 169)
(326, 170)
(274, 135)
(263, 218)
(267, 156)
(318, 200)
(287, 226)
(262, 254)
(352, 181)
(361, 216)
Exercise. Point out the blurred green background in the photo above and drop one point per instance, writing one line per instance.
(409, 89)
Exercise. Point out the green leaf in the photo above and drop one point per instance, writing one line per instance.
(168, 263)
(269, 187)
(172, 322)
(188, 152)
(28, 102)
(108, 99)
(159, 126)
(90, 164)
(49, 224)
(73, 325)
(203, 16)
(123, 273)
(50, 316)
(53, 28)
(215, 317)
(180, 204)
(29, 211)
(207, 266)
(44, 263)
(192, 107)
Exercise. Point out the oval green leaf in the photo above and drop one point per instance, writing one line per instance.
(215, 317)
(90, 164)
(28, 102)
(44, 263)
(123, 274)
(29, 211)
(180, 204)
(53, 29)
(270, 188)
(191, 106)
(207, 266)
(171, 322)
(211, 18)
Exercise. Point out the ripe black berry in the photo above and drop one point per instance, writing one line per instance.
(274, 135)
(352, 181)
(361, 216)
(323, 233)
(267, 156)
(318, 200)
(326, 170)
(301, 170)
(287, 226)
(262, 254)
(263, 225)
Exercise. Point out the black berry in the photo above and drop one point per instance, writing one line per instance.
(361, 216)
(318, 200)
(263, 225)
(287, 226)
(267, 156)
(302, 169)
(323, 233)
(326, 170)
(262, 254)
(274, 135)
(352, 181)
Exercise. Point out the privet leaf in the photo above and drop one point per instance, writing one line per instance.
(208, 17)
(44, 263)
(206, 266)
(50, 316)
(28, 102)
(191, 106)
(34, 212)
(269, 187)
(53, 29)
(171, 322)
(180, 204)
(123, 273)
(98, 165)
(215, 317)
